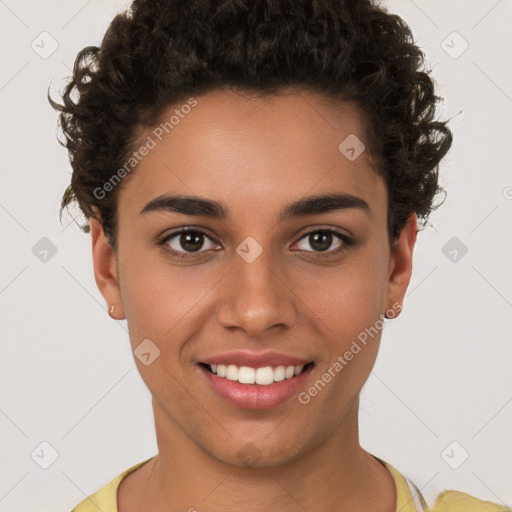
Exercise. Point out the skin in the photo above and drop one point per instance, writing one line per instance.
(248, 152)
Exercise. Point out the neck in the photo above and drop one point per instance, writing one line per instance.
(332, 474)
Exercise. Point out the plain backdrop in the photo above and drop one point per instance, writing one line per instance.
(438, 405)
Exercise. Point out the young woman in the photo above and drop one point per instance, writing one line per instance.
(253, 173)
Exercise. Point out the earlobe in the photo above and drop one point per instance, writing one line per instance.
(105, 269)
(400, 267)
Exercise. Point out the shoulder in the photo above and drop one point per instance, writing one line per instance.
(105, 499)
(410, 499)
(458, 501)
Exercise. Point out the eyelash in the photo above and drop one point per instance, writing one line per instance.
(181, 255)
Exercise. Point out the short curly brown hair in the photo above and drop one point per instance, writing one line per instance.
(159, 52)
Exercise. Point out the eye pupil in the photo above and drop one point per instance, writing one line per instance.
(185, 238)
(327, 240)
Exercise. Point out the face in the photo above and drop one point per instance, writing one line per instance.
(306, 285)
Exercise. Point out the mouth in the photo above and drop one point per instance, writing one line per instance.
(263, 376)
(247, 387)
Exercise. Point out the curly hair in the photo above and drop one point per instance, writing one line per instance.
(158, 52)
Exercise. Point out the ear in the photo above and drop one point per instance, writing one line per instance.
(105, 269)
(400, 265)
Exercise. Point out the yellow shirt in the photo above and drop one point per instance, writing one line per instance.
(409, 499)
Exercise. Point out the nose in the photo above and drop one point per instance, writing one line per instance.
(256, 297)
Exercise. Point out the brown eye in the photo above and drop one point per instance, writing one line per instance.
(188, 241)
(322, 241)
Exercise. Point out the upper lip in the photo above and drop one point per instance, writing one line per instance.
(256, 359)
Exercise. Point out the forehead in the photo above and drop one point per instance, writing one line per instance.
(236, 148)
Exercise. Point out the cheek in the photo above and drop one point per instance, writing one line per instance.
(348, 315)
(350, 297)
(162, 300)
(347, 304)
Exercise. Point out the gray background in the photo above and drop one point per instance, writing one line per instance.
(441, 386)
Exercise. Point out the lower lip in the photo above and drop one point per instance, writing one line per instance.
(256, 396)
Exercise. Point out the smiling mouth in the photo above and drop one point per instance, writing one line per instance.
(263, 376)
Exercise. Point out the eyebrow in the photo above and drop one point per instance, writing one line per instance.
(311, 205)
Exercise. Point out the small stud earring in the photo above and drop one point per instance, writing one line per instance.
(112, 307)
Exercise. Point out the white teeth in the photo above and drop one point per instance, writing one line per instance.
(232, 372)
(279, 373)
(263, 376)
(247, 375)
